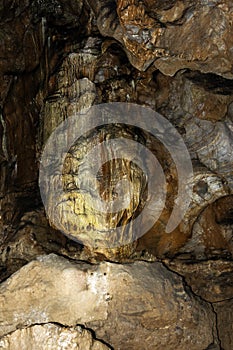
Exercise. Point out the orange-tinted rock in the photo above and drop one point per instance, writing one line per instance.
(165, 33)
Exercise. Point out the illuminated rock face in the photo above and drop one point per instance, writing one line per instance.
(51, 337)
(175, 57)
(171, 35)
(209, 142)
(132, 306)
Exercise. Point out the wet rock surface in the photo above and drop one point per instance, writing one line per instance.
(60, 57)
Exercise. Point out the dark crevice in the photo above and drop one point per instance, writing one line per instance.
(222, 300)
(95, 337)
(211, 82)
(216, 326)
(189, 289)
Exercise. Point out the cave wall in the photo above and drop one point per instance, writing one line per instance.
(60, 58)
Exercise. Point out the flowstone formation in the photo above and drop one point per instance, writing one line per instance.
(60, 287)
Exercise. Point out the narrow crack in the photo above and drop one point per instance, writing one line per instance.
(95, 337)
(216, 335)
(222, 300)
(216, 327)
(58, 324)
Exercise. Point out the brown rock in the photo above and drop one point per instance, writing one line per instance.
(225, 323)
(211, 280)
(166, 33)
(203, 96)
(136, 306)
(133, 306)
(213, 230)
(67, 87)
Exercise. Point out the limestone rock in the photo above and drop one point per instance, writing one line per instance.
(98, 71)
(57, 57)
(225, 323)
(212, 231)
(208, 136)
(18, 38)
(211, 280)
(191, 93)
(51, 337)
(170, 35)
(34, 237)
(132, 306)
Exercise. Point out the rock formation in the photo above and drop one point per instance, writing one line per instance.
(52, 337)
(146, 286)
(146, 304)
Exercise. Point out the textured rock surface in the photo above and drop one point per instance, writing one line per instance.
(212, 231)
(51, 337)
(210, 182)
(197, 104)
(171, 34)
(225, 323)
(130, 307)
(175, 57)
(211, 280)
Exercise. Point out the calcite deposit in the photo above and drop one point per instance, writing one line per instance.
(147, 287)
